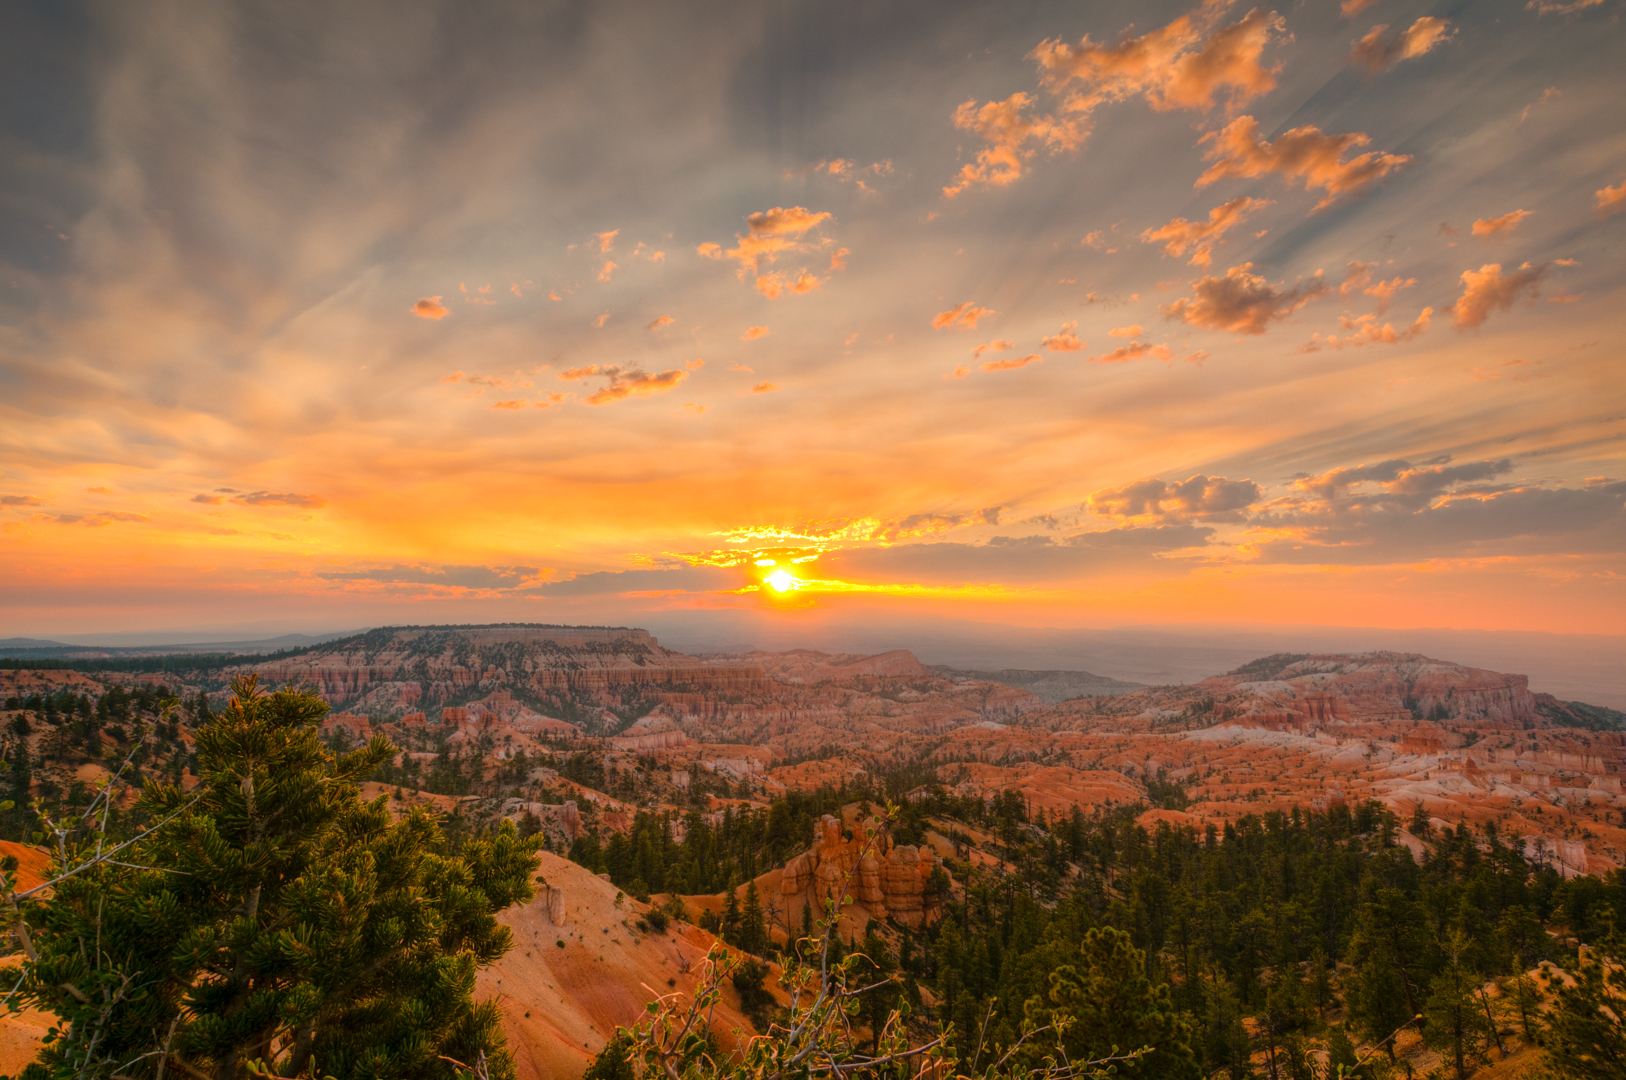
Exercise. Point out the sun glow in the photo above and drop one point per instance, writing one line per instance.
(781, 580)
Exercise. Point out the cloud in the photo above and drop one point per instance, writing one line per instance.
(209, 500)
(1397, 476)
(1001, 125)
(108, 517)
(603, 582)
(1488, 289)
(1064, 340)
(782, 222)
(285, 498)
(1351, 8)
(624, 382)
(1560, 7)
(1380, 50)
(1133, 351)
(1178, 66)
(1241, 302)
(754, 332)
(771, 233)
(430, 307)
(100, 490)
(772, 285)
(996, 345)
(961, 317)
(764, 388)
(1183, 65)
(1199, 498)
(1448, 512)
(838, 260)
(1012, 363)
(478, 578)
(664, 320)
(608, 269)
(1500, 226)
(1025, 560)
(21, 500)
(1611, 199)
(606, 240)
(1200, 237)
(1364, 330)
(1360, 277)
(1304, 153)
(1126, 331)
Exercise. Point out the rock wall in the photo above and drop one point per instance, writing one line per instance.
(887, 880)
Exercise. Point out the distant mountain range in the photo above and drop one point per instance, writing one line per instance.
(22, 648)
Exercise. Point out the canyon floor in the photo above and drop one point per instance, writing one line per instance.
(572, 730)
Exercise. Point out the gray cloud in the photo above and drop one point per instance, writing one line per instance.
(457, 577)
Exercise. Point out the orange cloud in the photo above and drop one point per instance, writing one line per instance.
(771, 233)
(1134, 351)
(1380, 49)
(517, 403)
(838, 259)
(772, 285)
(209, 500)
(754, 332)
(1007, 133)
(1178, 66)
(1126, 331)
(764, 388)
(26, 500)
(1364, 330)
(1360, 277)
(1611, 199)
(1064, 340)
(1488, 289)
(1201, 236)
(1304, 153)
(625, 382)
(1241, 302)
(430, 308)
(601, 320)
(1351, 8)
(1013, 363)
(996, 345)
(608, 269)
(961, 317)
(664, 320)
(1500, 226)
(785, 222)
(606, 240)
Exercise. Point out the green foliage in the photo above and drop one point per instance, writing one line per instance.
(1102, 1003)
(273, 916)
(1586, 1033)
(613, 1062)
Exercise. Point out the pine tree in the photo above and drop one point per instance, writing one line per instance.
(1456, 1026)
(728, 927)
(1586, 1031)
(1109, 1002)
(273, 916)
(753, 931)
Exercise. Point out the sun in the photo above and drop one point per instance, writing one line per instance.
(781, 580)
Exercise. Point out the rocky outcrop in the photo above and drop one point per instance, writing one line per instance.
(886, 880)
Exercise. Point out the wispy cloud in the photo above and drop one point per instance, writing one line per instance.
(1304, 154)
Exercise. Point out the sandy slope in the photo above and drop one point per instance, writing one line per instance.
(561, 1005)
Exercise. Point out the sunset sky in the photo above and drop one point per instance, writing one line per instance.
(1046, 313)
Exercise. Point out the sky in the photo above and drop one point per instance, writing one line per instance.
(1064, 314)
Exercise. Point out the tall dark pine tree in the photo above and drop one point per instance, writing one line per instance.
(277, 919)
